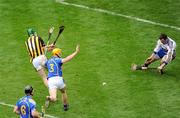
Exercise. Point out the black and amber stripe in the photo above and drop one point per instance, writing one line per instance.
(35, 46)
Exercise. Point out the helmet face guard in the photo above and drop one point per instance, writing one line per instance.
(28, 90)
(31, 32)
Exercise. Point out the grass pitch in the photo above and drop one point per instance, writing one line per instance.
(109, 44)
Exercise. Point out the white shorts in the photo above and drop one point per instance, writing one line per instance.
(39, 62)
(56, 82)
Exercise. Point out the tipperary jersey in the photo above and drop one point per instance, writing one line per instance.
(54, 67)
(26, 105)
(168, 48)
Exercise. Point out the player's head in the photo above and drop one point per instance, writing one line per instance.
(56, 52)
(31, 32)
(163, 38)
(28, 90)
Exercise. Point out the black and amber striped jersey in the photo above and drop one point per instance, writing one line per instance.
(35, 46)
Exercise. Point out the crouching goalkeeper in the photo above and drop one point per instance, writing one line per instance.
(164, 51)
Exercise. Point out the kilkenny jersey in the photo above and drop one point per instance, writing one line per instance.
(35, 46)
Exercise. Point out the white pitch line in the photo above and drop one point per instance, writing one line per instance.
(10, 105)
(4, 104)
(118, 14)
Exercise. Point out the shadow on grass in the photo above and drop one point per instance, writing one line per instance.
(165, 75)
(169, 72)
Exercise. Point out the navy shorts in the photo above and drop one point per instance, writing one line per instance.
(161, 53)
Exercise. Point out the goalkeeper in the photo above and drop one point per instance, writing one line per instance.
(164, 51)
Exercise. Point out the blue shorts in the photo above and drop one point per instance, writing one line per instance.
(161, 53)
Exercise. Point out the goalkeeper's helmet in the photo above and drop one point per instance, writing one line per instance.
(31, 32)
(28, 90)
(56, 52)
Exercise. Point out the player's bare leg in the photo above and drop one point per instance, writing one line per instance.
(52, 97)
(144, 66)
(148, 61)
(64, 99)
(161, 67)
(165, 60)
(163, 64)
(42, 74)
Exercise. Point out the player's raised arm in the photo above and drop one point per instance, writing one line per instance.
(71, 56)
(50, 47)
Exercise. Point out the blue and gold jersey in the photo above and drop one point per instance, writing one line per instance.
(54, 67)
(26, 105)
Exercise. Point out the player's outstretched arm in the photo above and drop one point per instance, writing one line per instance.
(169, 56)
(16, 110)
(71, 56)
(50, 47)
(166, 60)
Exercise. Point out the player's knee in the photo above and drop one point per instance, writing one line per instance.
(63, 91)
(53, 99)
(166, 59)
(173, 57)
(149, 59)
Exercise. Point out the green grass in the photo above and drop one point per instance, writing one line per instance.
(109, 44)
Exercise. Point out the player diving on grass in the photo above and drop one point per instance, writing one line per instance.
(26, 106)
(36, 48)
(165, 51)
(55, 77)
